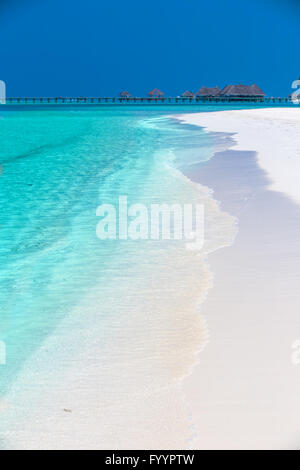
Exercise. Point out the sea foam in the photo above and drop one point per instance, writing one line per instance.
(110, 374)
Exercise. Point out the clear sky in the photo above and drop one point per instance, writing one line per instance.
(100, 47)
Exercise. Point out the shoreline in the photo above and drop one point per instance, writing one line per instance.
(277, 151)
(121, 381)
(243, 394)
(145, 380)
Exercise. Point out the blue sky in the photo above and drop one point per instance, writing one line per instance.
(100, 47)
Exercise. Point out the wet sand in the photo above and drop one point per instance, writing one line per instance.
(244, 393)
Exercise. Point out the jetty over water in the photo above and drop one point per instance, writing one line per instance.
(153, 100)
(205, 95)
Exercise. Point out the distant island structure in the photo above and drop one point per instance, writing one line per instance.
(209, 92)
(230, 93)
(155, 93)
(187, 94)
(242, 91)
(125, 94)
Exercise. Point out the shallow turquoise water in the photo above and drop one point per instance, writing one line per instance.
(57, 165)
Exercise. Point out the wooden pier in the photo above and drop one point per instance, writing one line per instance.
(144, 100)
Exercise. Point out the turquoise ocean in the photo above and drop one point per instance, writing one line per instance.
(91, 317)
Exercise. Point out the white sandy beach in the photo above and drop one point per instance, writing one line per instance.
(244, 394)
(274, 134)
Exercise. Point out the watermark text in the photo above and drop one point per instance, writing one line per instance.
(156, 222)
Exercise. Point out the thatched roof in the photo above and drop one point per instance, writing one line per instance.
(187, 94)
(258, 91)
(125, 94)
(242, 90)
(204, 91)
(155, 92)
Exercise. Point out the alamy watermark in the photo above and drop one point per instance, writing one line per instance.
(2, 92)
(295, 356)
(154, 222)
(2, 353)
(295, 96)
(2, 101)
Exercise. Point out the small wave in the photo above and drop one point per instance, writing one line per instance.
(118, 358)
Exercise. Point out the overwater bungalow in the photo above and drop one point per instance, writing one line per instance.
(208, 92)
(155, 93)
(242, 91)
(187, 94)
(125, 94)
